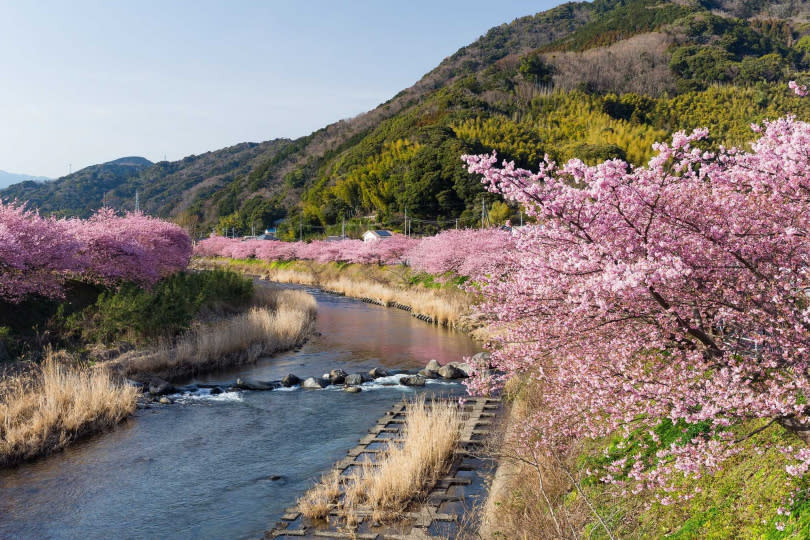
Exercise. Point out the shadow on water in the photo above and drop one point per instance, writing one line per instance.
(226, 466)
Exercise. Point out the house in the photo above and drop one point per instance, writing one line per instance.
(379, 234)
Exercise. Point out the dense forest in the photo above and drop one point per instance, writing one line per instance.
(583, 80)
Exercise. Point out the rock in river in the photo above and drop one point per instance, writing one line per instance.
(354, 379)
(413, 380)
(337, 376)
(313, 383)
(352, 389)
(464, 367)
(376, 373)
(247, 384)
(433, 365)
(290, 380)
(451, 372)
(159, 387)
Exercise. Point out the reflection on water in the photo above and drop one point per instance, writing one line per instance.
(205, 468)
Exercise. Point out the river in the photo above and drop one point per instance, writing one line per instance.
(227, 466)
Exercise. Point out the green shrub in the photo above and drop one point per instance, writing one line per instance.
(165, 310)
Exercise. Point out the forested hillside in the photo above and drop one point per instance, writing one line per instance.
(587, 80)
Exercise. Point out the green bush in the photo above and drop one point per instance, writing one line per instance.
(164, 311)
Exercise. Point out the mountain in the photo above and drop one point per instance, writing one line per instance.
(7, 178)
(588, 80)
(78, 193)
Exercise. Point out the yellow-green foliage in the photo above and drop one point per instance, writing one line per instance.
(500, 133)
(373, 184)
(559, 124)
(739, 501)
(728, 111)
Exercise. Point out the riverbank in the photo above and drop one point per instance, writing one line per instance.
(45, 407)
(441, 303)
(279, 320)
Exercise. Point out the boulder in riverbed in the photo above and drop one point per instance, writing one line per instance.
(159, 387)
(463, 367)
(376, 373)
(216, 390)
(290, 380)
(248, 384)
(165, 401)
(433, 365)
(337, 376)
(352, 389)
(412, 380)
(450, 371)
(313, 384)
(429, 373)
(354, 379)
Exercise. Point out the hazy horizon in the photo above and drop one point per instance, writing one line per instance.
(89, 82)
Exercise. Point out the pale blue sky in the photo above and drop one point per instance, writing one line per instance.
(85, 82)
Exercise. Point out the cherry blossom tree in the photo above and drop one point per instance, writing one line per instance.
(35, 253)
(472, 253)
(674, 291)
(38, 254)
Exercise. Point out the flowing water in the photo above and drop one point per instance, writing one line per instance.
(225, 466)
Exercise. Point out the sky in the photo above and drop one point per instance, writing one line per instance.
(86, 82)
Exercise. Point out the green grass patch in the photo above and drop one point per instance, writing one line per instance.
(739, 501)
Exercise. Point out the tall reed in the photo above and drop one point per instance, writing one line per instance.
(44, 409)
(402, 471)
(283, 321)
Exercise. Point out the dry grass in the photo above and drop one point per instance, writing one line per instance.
(45, 409)
(385, 487)
(386, 285)
(318, 501)
(430, 435)
(283, 321)
(527, 498)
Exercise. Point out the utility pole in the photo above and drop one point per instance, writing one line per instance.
(70, 168)
(406, 222)
(137, 202)
(343, 227)
(456, 223)
(483, 210)
(301, 229)
(521, 218)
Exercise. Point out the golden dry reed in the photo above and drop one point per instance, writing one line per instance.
(46, 408)
(318, 501)
(430, 435)
(383, 284)
(283, 321)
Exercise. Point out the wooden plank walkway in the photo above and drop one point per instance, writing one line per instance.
(436, 517)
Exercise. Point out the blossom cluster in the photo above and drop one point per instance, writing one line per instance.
(465, 252)
(37, 254)
(676, 290)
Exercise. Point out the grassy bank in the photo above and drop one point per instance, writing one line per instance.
(443, 303)
(401, 472)
(188, 323)
(46, 408)
(281, 320)
(536, 495)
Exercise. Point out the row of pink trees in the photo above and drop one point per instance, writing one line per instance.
(673, 291)
(37, 254)
(465, 252)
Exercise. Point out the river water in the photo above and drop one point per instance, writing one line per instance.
(205, 467)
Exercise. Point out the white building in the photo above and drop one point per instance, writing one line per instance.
(371, 236)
